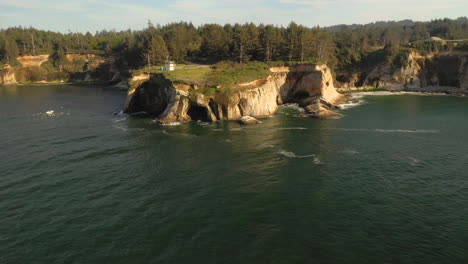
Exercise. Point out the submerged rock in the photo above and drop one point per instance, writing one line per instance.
(248, 120)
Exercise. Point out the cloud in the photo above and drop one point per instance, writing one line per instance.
(122, 14)
(306, 2)
(57, 5)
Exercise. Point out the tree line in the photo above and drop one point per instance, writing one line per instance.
(337, 46)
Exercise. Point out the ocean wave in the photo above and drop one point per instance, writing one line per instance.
(351, 104)
(170, 124)
(415, 131)
(349, 151)
(290, 128)
(413, 161)
(120, 128)
(203, 124)
(49, 114)
(294, 107)
(291, 154)
(317, 160)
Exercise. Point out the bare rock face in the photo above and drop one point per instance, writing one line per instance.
(7, 76)
(388, 76)
(33, 61)
(445, 72)
(172, 103)
(321, 110)
(248, 120)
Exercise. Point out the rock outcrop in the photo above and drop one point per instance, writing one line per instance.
(387, 75)
(311, 86)
(444, 72)
(33, 61)
(248, 120)
(91, 68)
(7, 76)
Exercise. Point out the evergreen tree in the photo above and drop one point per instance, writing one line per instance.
(158, 50)
(58, 56)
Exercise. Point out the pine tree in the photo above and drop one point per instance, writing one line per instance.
(11, 51)
(158, 50)
(58, 56)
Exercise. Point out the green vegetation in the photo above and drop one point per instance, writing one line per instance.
(224, 74)
(227, 74)
(188, 76)
(428, 46)
(205, 90)
(462, 46)
(348, 48)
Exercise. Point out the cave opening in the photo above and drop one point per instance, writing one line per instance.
(300, 95)
(197, 112)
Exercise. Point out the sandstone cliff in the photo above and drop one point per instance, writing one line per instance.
(443, 72)
(309, 85)
(33, 61)
(7, 76)
(81, 67)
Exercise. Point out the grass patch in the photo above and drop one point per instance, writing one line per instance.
(228, 74)
(222, 77)
(189, 75)
(205, 90)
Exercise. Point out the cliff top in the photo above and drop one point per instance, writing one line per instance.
(220, 75)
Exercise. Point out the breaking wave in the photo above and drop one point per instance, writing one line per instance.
(415, 131)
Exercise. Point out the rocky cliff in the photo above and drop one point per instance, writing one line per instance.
(7, 76)
(80, 67)
(311, 86)
(444, 72)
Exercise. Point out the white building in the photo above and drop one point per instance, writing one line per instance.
(170, 65)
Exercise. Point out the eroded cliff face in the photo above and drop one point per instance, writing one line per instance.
(389, 76)
(94, 68)
(33, 61)
(7, 76)
(444, 72)
(311, 86)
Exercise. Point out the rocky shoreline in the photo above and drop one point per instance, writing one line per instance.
(309, 85)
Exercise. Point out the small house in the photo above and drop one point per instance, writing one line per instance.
(170, 65)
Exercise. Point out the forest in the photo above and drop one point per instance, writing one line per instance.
(340, 47)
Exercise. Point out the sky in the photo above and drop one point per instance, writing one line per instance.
(92, 15)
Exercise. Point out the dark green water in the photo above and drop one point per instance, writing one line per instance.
(387, 183)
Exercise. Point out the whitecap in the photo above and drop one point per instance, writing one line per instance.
(291, 128)
(317, 160)
(290, 154)
(415, 131)
(351, 104)
(294, 106)
(121, 128)
(48, 114)
(201, 123)
(420, 131)
(350, 152)
(170, 124)
(413, 161)
(120, 113)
